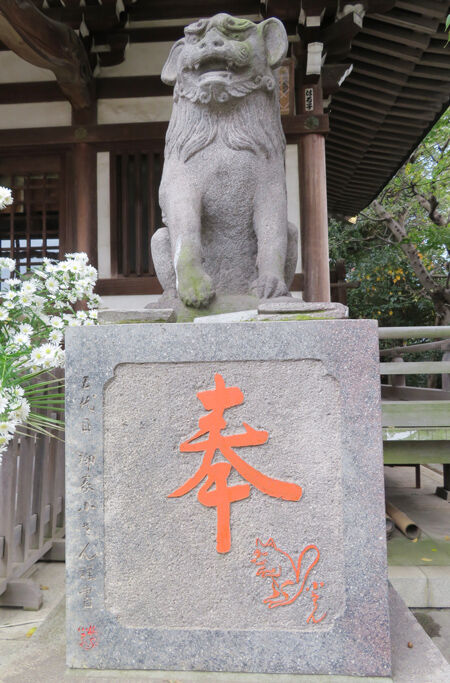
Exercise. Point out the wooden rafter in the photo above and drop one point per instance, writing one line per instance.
(50, 45)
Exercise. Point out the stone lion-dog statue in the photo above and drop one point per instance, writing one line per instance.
(223, 188)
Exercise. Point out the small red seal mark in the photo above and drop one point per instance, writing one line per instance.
(285, 592)
(88, 637)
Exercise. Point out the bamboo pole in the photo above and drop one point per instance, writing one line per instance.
(403, 522)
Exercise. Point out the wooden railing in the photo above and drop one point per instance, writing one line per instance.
(416, 420)
(31, 515)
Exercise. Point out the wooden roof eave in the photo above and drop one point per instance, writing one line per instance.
(50, 45)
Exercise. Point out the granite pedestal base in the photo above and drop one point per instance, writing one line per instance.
(225, 501)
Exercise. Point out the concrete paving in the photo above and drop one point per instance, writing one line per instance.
(420, 570)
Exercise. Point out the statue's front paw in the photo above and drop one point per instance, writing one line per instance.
(195, 288)
(269, 286)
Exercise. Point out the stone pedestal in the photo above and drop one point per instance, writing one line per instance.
(225, 503)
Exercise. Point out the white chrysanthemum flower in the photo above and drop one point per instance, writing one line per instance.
(93, 315)
(48, 350)
(7, 263)
(4, 315)
(81, 315)
(8, 304)
(21, 339)
(17, 391)
(91, 273)
(13, 282)
(39, 303)
(3, 403)
(63, 267)
(88, 322)
(26, 328)
(29, 286)
(9, 295)
(55, 336)
(78, 256)
(52, 284)
(7, 427)
(75, 266)
(6, 198)
(21, 413)
(56, 322)
(37, 356)
(74, 322)
(26, 299)
(4, 440)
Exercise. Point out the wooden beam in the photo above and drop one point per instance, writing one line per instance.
(106, 88)
(177, 9)
(50, 45)
(294, 126)
(128, 285)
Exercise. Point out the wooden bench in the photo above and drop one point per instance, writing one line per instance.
(416, 421)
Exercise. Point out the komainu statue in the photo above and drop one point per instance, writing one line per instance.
(223, 190)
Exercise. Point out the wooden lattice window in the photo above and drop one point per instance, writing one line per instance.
(30, 228)
(135, 213)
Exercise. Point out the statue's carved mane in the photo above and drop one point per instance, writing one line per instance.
(252, 123)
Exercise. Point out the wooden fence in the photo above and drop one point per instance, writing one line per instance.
(416, 420)
(31, 515)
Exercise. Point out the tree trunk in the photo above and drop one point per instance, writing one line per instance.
(439, 295)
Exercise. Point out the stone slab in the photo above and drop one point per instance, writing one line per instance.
(221, 304)
(235, 317)
(438, 579)
(291, 306)
(415, 658)
(138, 315)
(143, 571)
(411, 584)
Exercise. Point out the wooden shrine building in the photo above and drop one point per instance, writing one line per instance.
(83, 115)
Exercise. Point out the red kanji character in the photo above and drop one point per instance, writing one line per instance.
(217, 401)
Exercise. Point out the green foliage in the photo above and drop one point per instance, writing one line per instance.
(390, 290)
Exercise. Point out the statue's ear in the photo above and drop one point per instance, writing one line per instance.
(169, 72)
(275, 39)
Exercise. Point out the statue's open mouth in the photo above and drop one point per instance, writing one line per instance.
(213, 67)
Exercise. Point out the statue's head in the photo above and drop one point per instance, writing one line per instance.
(224, 57)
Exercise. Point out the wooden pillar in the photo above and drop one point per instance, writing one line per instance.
(85, 187)
(313, 199)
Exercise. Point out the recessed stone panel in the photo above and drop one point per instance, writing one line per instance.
(225, 498)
